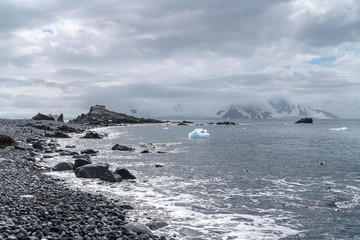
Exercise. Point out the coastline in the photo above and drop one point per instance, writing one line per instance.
(37, 206)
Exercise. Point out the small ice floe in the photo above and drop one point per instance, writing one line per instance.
(338, 129)
(199, 133)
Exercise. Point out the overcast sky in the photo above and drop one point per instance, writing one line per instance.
(188, 56)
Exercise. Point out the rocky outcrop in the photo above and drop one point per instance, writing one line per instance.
(99, 115)
(122, 148)
(305, 120)
(60, 118)
(41, 116)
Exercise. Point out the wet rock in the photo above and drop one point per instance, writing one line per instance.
(111, 177)
(97, 170)
(57, 135)
(159, 165)
(124, 173)
(81, 162)
(63, 166)
(94, 135)
(89, 151)
(122, 148)
(154, 224)
(138, 228)
(305, 120)
(145, 151)
(84, 156)
(226, 123)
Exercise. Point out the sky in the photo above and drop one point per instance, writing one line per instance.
(164, 57)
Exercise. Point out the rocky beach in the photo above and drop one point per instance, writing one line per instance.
(34, 205)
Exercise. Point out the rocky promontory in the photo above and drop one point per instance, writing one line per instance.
(99, 115)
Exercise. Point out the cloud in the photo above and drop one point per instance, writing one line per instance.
(159, 54)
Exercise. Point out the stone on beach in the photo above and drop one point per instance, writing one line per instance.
(124, 173)
(6, 141)
(63, 166)
(138, 228)
(97, 170)
(81, 162)
(122, 148)
(94, 135)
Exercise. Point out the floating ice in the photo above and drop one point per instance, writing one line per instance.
(199, 133)
(338, 129)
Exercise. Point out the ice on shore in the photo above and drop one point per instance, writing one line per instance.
(338, 129)
(199, 133)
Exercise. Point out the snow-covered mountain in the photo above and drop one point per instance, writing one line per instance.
(273, 109)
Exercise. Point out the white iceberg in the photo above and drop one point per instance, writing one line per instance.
(338, 129)
(199, 133)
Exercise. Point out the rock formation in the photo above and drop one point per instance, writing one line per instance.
(99, 115)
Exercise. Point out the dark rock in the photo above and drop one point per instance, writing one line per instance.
(98, 115)
(124, 173)
(60, 118)
(138, 228)
(111, 177)
(65, 128)
(122, 148)
(85, 156)
(226, 123)
(89, 151)
(93, 135)
(145, 151)
(6, 141)
(159, 165)
(305, 120)
(97, 170)
(40, 116)
(127, 207)
(154, 225)
(81, 162)
(42, 127)
(57, 135)
(63, 166)
(70, 146)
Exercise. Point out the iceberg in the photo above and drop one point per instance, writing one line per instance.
(338, 129)
(199, 133)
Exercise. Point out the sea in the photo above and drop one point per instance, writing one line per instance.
(255, 180)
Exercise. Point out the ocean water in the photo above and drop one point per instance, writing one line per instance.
(255, 180)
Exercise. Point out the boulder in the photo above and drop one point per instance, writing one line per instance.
(111, 177)
(305, 120)
(124, 173)
(89, 151)
(81, 162)
(41, 116)
(57, 135)
(122, 148)
(84, 156)
(97, 170)
(92, 134)
(138, 228)
(6, 141)
(154, 225)
(63, 166)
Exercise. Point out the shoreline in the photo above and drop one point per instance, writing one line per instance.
(35, 205)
